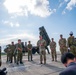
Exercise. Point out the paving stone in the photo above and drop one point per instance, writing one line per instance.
(33, 67)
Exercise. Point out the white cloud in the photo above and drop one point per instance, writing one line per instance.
(5, 22)
(71, 4)
(17, 25)
(52, 11)
(62, 2)
(63, 12)
(24, 7)
(60, 5)
(66, 0)
(9, 23)
(15, 37)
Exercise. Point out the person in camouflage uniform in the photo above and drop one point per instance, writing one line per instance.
(8, 52)
(71, 42)
(74, 47)
(53, 50)
(13, 47)
(41, 44)
(62, 44)
(29, 47)
(19, 52)
(43, 33)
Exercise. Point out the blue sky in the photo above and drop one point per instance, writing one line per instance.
(22, 18)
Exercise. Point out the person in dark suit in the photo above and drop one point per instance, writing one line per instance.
(68, 59)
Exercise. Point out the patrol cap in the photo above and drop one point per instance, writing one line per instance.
(66, 56)
(71, 33)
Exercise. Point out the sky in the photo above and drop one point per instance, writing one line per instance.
(21, 19)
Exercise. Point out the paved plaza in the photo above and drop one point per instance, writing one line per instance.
(33, 67)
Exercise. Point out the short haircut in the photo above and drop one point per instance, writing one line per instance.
(61, 35)
(12, 42)
(19, 39)
(66, 56)
(29, 41)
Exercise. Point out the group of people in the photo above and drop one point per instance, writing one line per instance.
(67, 49)
(12, 50)
(68, 45)
(68, 54)
(68, 57)
(15, 51)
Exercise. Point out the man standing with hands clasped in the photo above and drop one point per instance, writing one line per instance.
(29, 47)
(41, 44)
(19, 52)
(53, 49)
(62, 44)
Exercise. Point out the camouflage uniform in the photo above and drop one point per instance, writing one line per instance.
(74, 43)
(8, 51)
(8, 55)
(13, 47)
(43, 33)
(53, 50)
(71, 44)
(41, 44)
(29, 47)
(62, 44)
(19, 53)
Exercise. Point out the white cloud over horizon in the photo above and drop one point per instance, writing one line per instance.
(24, 7)
(25, 37)
(10, 23)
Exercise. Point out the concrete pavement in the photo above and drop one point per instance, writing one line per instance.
(34, 67)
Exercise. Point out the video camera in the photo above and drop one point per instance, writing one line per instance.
(3, 71)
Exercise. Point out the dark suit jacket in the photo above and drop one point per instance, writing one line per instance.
(70, 69)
